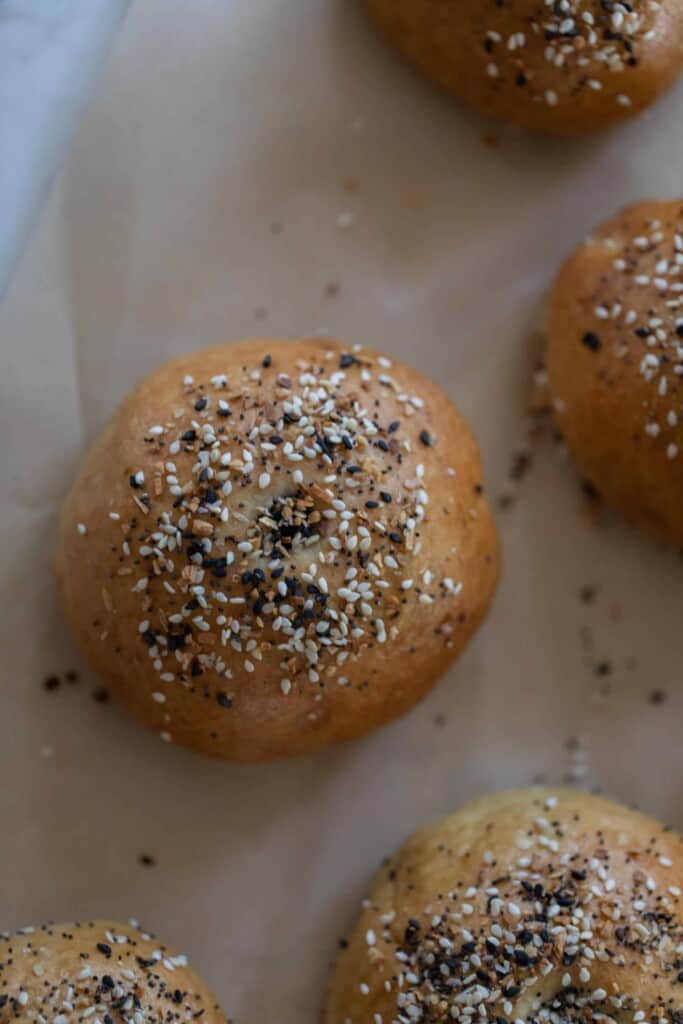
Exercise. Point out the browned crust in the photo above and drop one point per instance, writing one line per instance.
(447, 40)
(458, 539)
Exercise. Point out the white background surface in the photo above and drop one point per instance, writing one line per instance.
(214, 122)
(50, 51)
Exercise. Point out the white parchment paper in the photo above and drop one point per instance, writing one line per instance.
(240, 159)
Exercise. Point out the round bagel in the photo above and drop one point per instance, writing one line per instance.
(567, 68)
(276, 545)
(531, 906)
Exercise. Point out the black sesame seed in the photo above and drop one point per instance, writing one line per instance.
(426, 438)
(224, 700)
(200, 404)
(591, 341)
(267, 361)
(346, 360)
(104, 948)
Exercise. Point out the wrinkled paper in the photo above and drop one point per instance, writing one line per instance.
(271, 168)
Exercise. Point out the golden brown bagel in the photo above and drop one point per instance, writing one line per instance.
(566, 67)
(615, 359)
(98, 972)
(530, 906)
(285, 551)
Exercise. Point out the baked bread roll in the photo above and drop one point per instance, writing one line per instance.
(98, 972)
(615, 360)
(524, 907)
(277, 545)
(568, 68)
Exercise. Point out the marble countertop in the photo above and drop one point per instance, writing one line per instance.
(50, 51)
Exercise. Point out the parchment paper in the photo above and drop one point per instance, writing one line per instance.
(270, 167)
